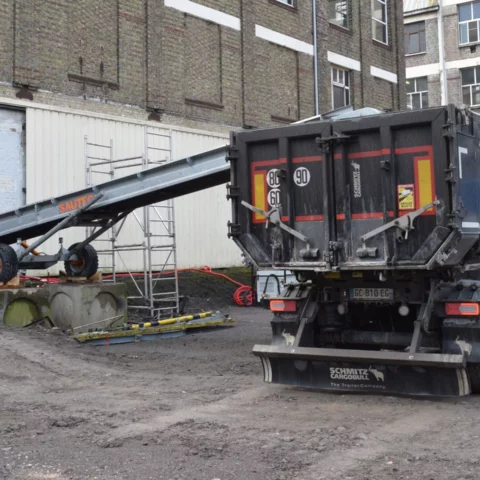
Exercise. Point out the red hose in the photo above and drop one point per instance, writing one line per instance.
(242, 297)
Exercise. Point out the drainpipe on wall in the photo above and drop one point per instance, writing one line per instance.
(315, 56)
(441, 50)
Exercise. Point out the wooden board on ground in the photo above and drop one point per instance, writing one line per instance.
(13, 283)
(80, 280)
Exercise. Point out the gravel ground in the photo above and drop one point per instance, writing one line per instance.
(196, 408)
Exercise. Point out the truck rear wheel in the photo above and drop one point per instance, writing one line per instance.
(83, 263)
(474, 375)
(8, 263)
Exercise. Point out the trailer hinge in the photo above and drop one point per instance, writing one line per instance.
(333, 247)
(450, 175)
(447, 130)
(233, 191)
(324, 143)
(233, 230)
(385, 165)
(232, 154)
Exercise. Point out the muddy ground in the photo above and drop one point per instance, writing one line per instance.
(197, 408)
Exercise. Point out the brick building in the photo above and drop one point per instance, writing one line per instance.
(442, 40)
(216, 64)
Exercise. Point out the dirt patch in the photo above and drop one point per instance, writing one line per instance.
(196, 408)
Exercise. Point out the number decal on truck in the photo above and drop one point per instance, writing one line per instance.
(273, 178)
(274, 197)
(301, 177)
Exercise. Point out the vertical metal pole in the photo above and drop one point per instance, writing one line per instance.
(315, 56)
(114, 228)
(441, 50)
(171, 218)
(87, 174)
(148, 283)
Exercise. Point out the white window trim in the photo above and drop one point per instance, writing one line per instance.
(283, 40)
(383, 74)
(477, 80)
(420, 92)
(206, 13)
(466, 22)
(345, 62)
(384, 2)
(423, 70)
(344, 86)
(290, 3)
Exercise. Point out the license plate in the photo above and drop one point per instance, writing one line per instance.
(367, 294)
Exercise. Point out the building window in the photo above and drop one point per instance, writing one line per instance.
(417, 93)
(340, 88)
(290, 3)
(379, 21)
(338, 12)
(415, 41)
(471, 86)
(468, 21)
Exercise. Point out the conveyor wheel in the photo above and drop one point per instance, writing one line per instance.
(8, 263)
(83, 263)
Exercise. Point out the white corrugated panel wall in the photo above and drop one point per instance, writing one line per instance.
(201, 218)
(55, 151)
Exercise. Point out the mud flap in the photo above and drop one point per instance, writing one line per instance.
(365, 371)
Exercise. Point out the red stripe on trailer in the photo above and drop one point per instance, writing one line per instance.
(315, 158)
(373, 153)
(366, 216)
(309, 218)
(268, 163)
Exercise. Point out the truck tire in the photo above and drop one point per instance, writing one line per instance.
(83, 263)
(8, 263)
(474, 376)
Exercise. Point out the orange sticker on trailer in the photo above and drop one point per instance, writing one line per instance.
(406, 197)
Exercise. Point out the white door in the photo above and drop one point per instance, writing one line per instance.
(12, 159)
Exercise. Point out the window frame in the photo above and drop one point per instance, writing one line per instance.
(288, 3)
(418, 32)
(466, 22)
(346, 86)
(347, 4)
(385, 24)
(476, 79)
(417, 92)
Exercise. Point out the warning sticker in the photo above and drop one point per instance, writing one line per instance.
(406, 197)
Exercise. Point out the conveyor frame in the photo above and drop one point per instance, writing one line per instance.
(104, 205)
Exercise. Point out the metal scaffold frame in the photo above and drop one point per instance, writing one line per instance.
(156, 222)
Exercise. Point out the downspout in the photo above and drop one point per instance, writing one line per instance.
(441, 50)
(315, 56)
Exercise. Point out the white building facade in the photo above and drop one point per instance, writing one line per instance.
(442, 48)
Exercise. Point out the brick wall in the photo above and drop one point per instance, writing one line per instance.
(141, 56)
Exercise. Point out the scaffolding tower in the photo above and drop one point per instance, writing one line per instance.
(153, 288)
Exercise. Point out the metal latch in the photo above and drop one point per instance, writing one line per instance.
(273, 216)
(404, 224)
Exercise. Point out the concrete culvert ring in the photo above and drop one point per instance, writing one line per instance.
(105, 307)
(20, 313)
(61, 309)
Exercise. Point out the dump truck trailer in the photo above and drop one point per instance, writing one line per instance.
(379, 219)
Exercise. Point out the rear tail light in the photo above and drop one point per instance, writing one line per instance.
(462, 309)
(283, 305)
